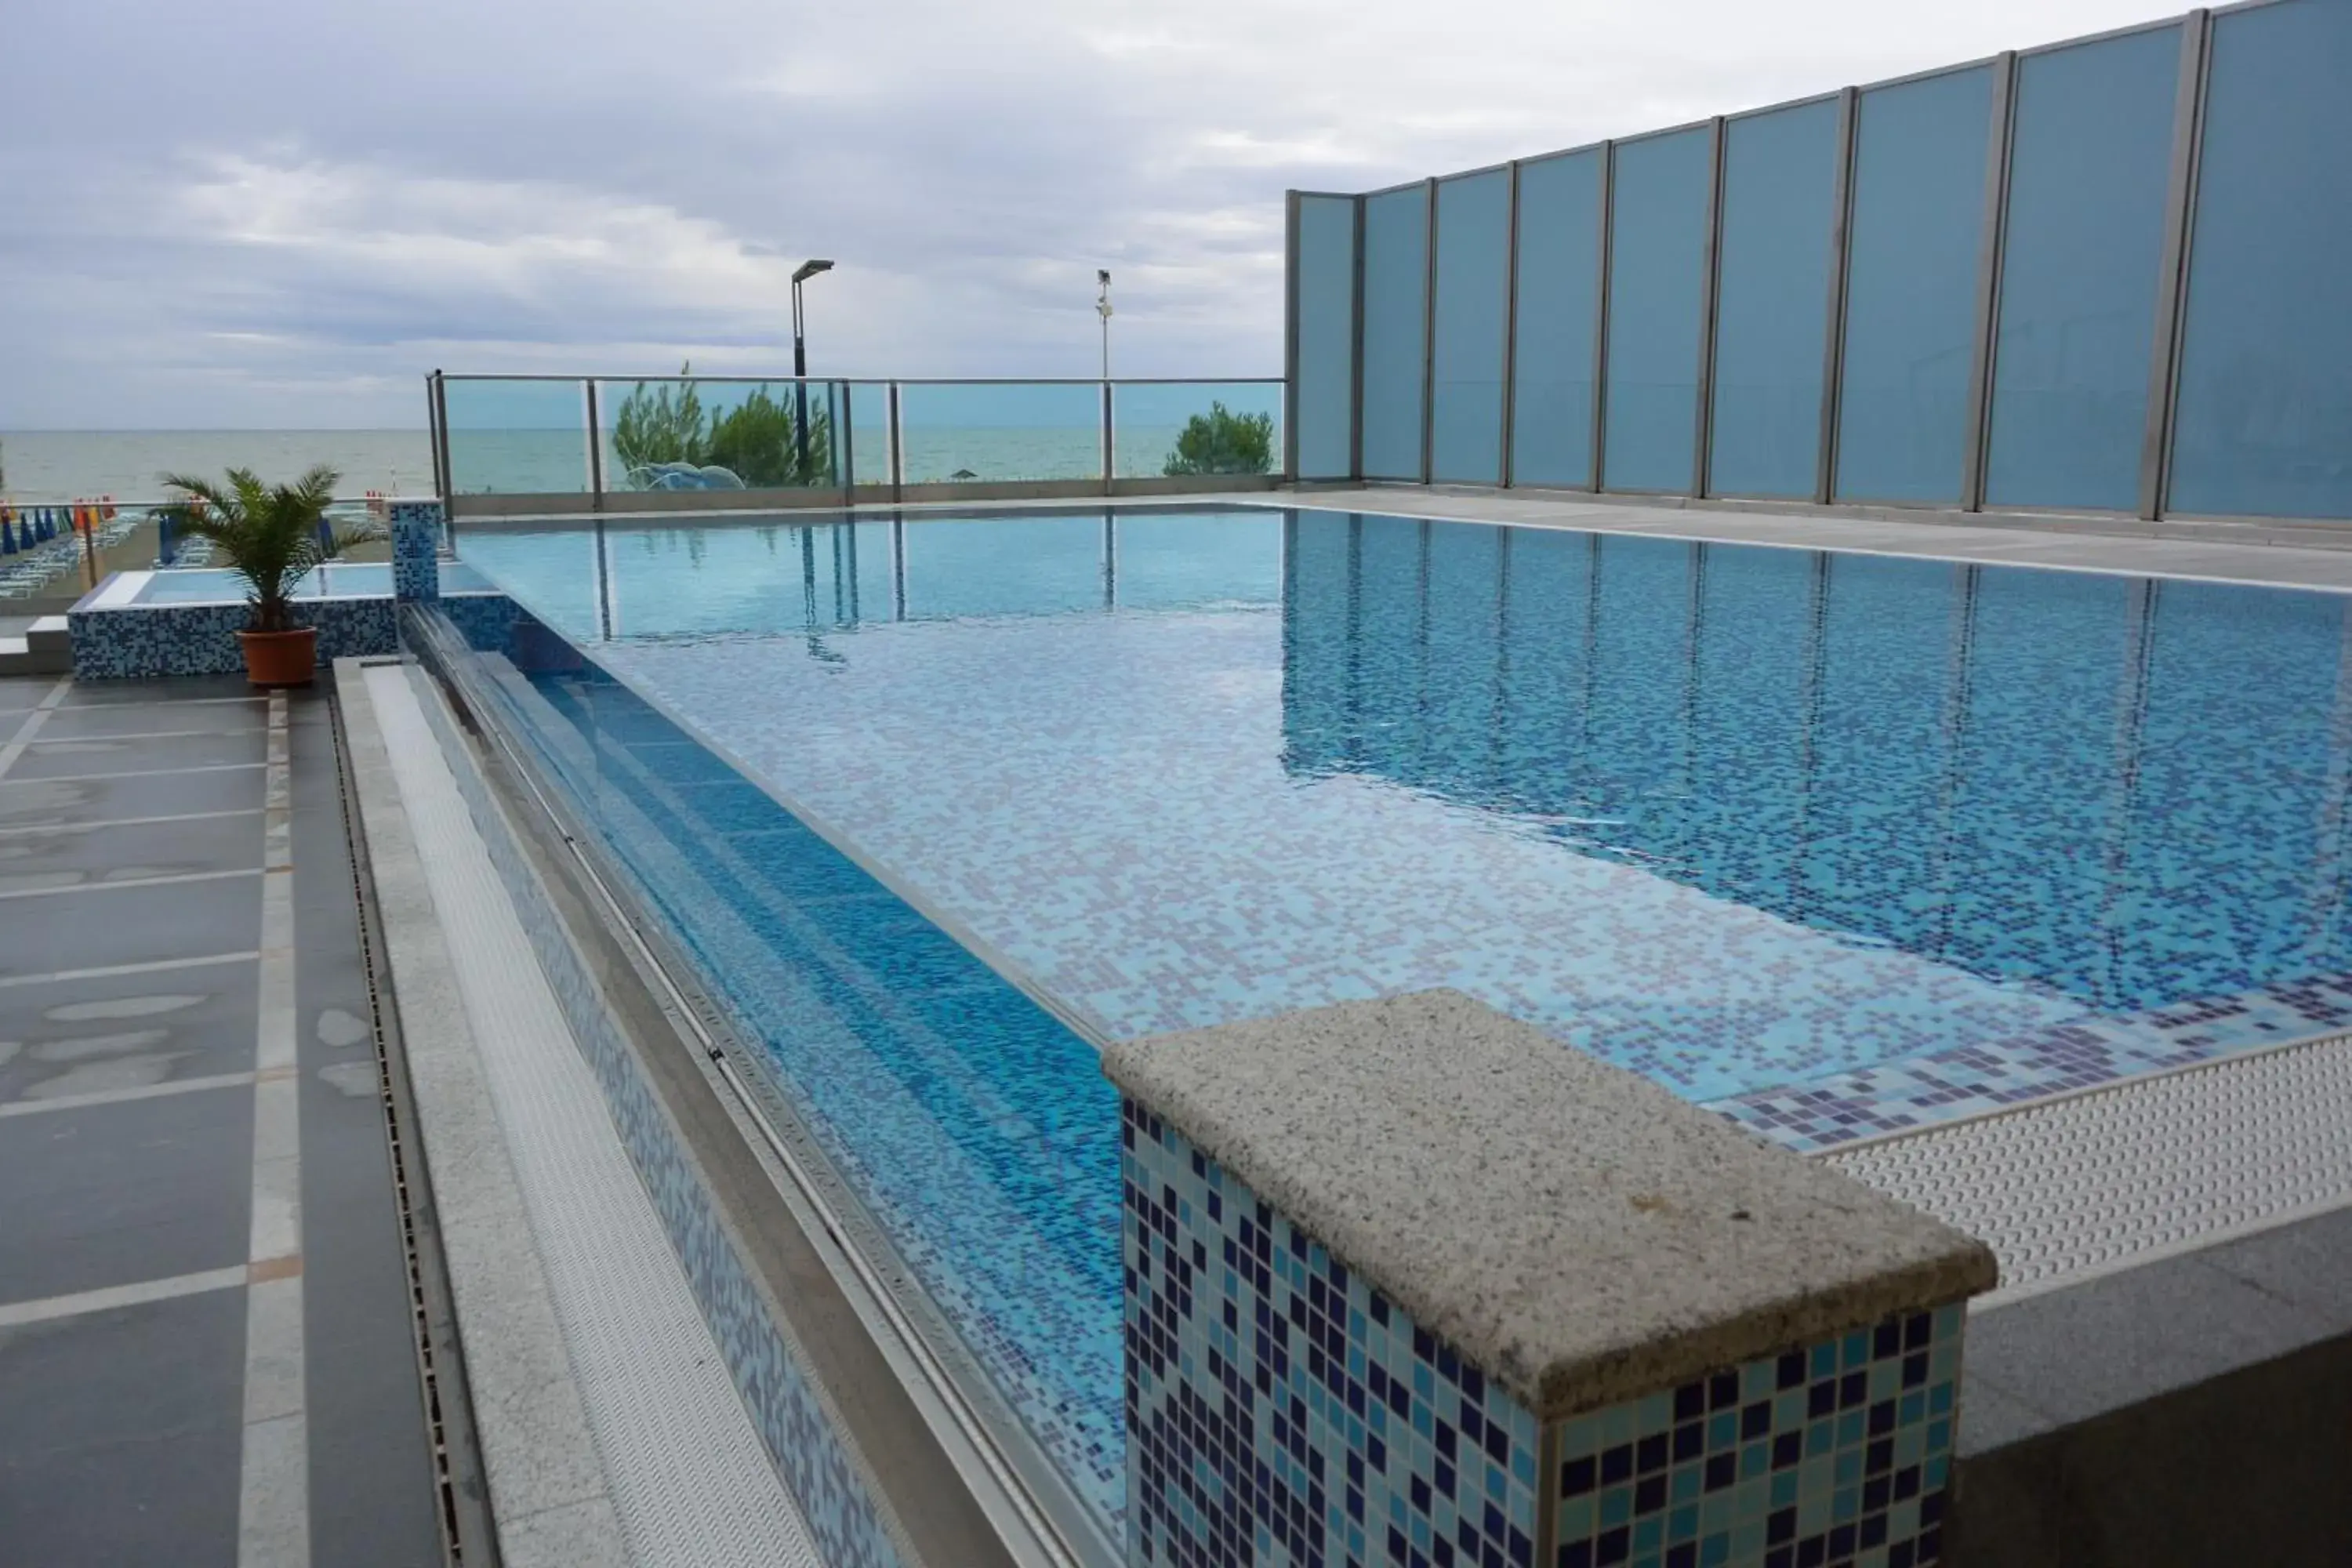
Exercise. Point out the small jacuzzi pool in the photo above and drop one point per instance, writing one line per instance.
(335, 580)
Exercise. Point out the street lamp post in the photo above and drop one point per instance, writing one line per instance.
(1102, 309)
(806, 270)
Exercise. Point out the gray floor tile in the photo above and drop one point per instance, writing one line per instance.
(120, 1437)
(69, 856)
(179, 689)
(2308, 1263)
(83, 1037)
(33, 802)
(93, 755)
(112, 1194)
(98, 925)
(372, 1487)
(2087, 1349)
(109, 719)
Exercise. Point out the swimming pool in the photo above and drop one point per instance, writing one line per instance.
(334, 579)
(1835, 842)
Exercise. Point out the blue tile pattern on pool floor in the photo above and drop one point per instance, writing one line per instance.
(1736, 818)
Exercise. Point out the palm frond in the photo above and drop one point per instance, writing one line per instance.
(270, 535)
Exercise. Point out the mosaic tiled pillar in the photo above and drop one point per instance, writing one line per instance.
(1336, 1354)
(415, 550)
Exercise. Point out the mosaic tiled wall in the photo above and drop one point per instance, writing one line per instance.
(141, 641)
(416, 544)
(1281, 1411)
(787, 1407)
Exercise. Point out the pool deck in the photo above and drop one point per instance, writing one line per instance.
(207, 1339)
(2232, 552)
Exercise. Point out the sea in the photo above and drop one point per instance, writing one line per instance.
(46, 467)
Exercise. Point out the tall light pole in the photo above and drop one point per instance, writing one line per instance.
(806, 270)
(1102, 309)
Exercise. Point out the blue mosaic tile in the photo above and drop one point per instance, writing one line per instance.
(1282, 1412)
(787, 1407)
(415, 550)
(141, 641)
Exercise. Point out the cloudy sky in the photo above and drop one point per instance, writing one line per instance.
(241, 213)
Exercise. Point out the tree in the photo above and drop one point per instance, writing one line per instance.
(758, 440)
(1223, 442)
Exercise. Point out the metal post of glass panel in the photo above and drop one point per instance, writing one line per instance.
(1991, 244)
(1840, 248)
(1107, 444)
(595, 451)
(1355, 355)
(441, 452)
(1429, 337)
(1702, 421)
(898, 449)
(848, 445)
(1600, 314)
(1510, 321)
(1290, 301)
(2172, 276)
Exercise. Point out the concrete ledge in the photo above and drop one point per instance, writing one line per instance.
(536, 1444)
(1581, 1234)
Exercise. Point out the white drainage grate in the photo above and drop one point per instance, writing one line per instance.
(689, 1480)
(2123, 1174)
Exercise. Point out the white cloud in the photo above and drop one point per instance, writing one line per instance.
(359, 195)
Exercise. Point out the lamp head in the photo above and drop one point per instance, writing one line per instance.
(808, 269)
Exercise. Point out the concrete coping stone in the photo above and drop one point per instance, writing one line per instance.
(1582, 1234)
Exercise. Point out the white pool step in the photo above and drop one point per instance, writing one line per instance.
(44, 647)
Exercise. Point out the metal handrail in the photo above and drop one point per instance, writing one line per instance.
(897, 380)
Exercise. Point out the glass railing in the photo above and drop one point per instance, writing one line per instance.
(1169, 429)
(549, 438)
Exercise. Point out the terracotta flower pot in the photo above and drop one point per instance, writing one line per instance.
(280, 659)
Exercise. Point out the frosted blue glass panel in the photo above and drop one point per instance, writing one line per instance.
(1326, 335)
(1779, 201)
(1558, 307)
(2090, 158)
(1473, 237)
(1920, 158)
(2265, 410)
(1396, 291)
(1657, 269)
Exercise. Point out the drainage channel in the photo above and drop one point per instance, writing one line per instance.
(469, 1535)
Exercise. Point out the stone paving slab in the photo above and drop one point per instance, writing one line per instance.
(125, 1031)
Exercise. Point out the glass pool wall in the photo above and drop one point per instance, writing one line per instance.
(2104, 275)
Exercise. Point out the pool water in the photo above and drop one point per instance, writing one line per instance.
(338, 579)
(1833, 842)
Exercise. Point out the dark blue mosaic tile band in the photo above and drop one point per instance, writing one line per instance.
(1280, 1411)
(786, 1406)
(134, 642)
(415, 546)
(1837, 1452)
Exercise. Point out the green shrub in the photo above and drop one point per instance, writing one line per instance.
(1223, 442)
(758, 440)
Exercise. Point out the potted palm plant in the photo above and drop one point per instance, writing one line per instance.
(270, 535)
